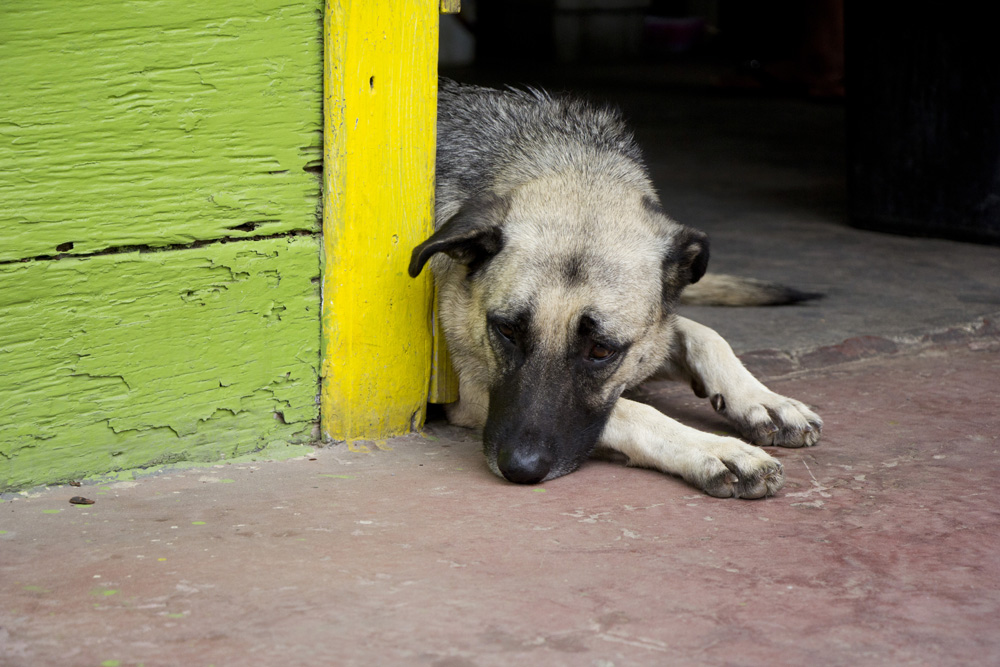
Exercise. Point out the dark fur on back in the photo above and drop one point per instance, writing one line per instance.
(484, 133)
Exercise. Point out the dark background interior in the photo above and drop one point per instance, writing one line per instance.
(909, 94)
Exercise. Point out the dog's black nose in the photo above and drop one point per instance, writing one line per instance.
(524, 466)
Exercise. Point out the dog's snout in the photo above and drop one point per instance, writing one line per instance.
(524, 466)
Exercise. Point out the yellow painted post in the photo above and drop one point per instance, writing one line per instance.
(380, 92)
(444, 382)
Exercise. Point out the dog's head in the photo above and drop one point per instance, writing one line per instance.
(562, 296)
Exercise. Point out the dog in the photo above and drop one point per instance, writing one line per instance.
(558, 275)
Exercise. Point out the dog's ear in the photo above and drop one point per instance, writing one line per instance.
(472, 236)
(685, 263)
(692, 254)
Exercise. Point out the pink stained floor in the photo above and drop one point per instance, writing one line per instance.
(883, 548)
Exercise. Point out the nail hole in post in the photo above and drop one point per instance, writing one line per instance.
(371, 83)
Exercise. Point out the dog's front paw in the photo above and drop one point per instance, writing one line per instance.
(766, 418)
(734, 469)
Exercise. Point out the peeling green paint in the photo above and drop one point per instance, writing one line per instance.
(195, 128)
(105, 366)
(157, 122)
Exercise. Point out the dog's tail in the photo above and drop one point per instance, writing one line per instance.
(718, 289)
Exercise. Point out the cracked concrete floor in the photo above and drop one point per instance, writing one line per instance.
(881, 549)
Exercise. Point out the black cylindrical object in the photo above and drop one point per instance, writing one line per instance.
(923, 119)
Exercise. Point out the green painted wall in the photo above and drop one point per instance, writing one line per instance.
(159, 191)
(156, 122)
(130, 359)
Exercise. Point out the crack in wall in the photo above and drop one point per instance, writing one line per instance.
(102, 377)
(279, 406)
(150, 248)
(137, 429)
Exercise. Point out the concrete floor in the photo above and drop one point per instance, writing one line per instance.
(881, 549)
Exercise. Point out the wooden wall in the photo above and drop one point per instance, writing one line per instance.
(160, 180)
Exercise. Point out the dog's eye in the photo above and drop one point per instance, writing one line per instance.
(505, 331)
(600, 352)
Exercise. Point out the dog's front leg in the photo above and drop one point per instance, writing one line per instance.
(471, 408)
(720, 466)
(704, 359)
